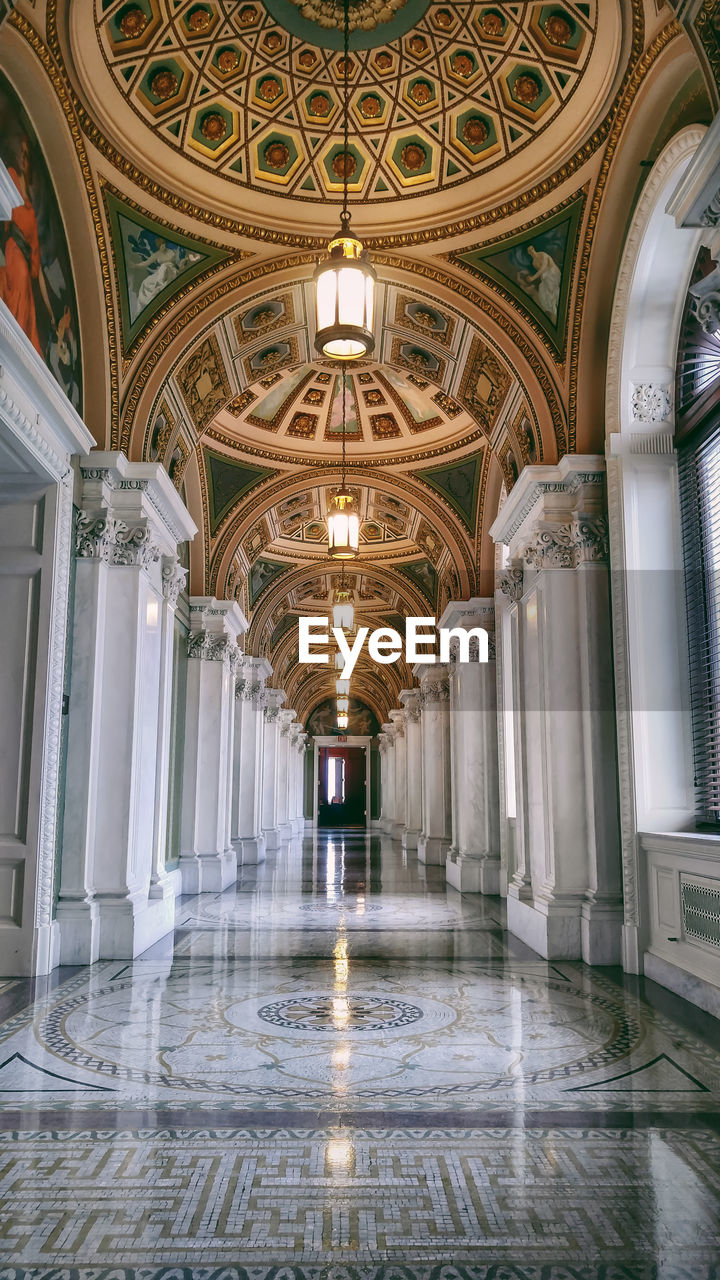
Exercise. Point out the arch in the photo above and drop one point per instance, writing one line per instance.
(650, 642)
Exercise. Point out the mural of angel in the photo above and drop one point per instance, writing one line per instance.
(157, 263)
(546, 277)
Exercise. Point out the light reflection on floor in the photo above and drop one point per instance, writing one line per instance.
(342, 1061)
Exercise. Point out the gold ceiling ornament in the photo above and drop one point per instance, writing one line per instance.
(345, 280)
(365, 15)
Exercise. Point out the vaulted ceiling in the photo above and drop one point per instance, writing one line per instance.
(205, 140)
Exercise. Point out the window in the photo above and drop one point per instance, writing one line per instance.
(698, 443)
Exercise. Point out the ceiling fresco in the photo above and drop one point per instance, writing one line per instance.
(206, 139)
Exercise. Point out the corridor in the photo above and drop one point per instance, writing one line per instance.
(341, 1061)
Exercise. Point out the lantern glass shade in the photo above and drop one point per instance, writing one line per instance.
(343, 704)
(343, 611)
(344, 301)
(342, 720)
(339, 662)
(343, 527)
(342, 686)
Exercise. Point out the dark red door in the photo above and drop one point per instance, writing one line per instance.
(341, 787)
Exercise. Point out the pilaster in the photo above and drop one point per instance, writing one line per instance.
(400, 812)
(555, 526)
(115, 897)
(436, 834)
(410, 699)
(246, 829)
(473, 862)
(207, 859)
(274, 699)
(389, 794)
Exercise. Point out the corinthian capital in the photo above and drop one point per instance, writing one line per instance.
(212, 648)
(173, 579)
(511, 584)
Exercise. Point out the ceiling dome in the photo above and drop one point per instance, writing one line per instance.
(239, 104)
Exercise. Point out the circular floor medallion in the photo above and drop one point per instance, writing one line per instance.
(341, 1013)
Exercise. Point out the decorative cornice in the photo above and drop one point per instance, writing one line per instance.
(583, 541)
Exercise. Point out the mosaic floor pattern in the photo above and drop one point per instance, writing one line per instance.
(341, 1070)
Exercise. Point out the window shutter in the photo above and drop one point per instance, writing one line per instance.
(700, 507)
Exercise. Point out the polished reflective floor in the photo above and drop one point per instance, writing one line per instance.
(340, 1068)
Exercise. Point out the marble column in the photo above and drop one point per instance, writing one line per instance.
(435, 837)
(274, 699)
(298, 815)
(115, 899)
(410, 698)
(174, 579)
(400, 819)
(383, 749)
(473, 862)
(207, 859)
(555, 527)
(247, 835)
(287, 717)
(390, 791)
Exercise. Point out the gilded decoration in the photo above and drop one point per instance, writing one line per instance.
(485, 384)
(203, 382)
(216, 98)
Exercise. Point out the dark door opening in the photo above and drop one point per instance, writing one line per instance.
(342, 801)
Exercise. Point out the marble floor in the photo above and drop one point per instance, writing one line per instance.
(342, 1069)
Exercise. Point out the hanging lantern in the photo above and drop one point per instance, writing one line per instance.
(344, 299)
(339, 661)
(343, 704)
(342, 686)
(342, 720)
(343, 611)
(345, 280)
(343, 526)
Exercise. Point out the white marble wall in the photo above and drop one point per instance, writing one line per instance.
(115, 896)
(207, 858)
(567, 834)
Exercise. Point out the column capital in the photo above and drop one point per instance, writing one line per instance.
(273, 699)
(133, 491)
(512, 583)
(398, 720)
(410, 698)
(547, 497)
(174, 578)
(583, 540)
(216, 617)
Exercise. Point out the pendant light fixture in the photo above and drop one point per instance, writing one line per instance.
(345, 280)
(343, 519)
(342, 686)
(343, 611)
(343, 704)
(342, 720)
